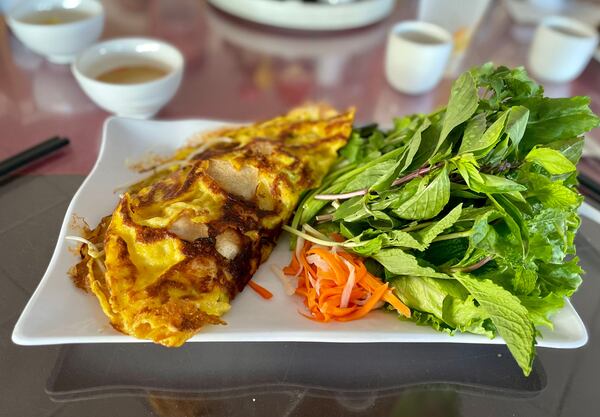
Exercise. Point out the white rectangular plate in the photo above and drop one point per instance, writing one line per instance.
(60, 313)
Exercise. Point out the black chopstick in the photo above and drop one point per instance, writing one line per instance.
(38, 151)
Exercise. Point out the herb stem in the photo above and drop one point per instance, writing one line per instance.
(322, 218)
(473, 267)
(417, 173)
(318, 241)
(363, 191)
(417, 226)
(344, 196)
(450, 236)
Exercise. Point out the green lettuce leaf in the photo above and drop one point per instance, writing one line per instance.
(541, 308)
(446, 300)
(398, 262)
(552, 119)
(561, 279)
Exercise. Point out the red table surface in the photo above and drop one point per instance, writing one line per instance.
(238, 71)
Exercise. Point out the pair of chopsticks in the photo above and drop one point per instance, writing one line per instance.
(18, 161)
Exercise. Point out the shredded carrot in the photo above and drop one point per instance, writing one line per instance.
(260, 290)
(337, 286)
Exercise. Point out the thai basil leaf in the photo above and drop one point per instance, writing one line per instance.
(474, 131)
(571, 148)
(425, 236)
(461, 105)
(429, 200)
(481, 145)
(516, 123)
(551, 160)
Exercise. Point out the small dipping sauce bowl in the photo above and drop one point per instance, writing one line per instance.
(131, 77)
(57, 29)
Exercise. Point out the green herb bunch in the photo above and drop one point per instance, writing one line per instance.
(470, 212)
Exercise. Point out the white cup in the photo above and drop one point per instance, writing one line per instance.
(561, 49)
(417, 55)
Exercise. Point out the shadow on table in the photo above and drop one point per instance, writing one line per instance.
(281, 378)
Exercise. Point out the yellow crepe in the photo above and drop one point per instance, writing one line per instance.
(180, 245)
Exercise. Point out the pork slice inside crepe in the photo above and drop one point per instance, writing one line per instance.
(178, 248)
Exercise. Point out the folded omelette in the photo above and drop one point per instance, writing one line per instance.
(181, 244)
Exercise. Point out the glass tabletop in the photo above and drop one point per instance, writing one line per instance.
(241, 71)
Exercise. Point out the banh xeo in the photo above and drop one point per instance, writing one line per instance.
(182, 243)
(468, 213)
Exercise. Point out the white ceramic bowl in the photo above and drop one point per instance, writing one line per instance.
(141, 100)
(561, 49)
(417, 55)
(59, 43)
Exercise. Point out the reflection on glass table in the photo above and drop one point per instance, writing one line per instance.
(354, 377)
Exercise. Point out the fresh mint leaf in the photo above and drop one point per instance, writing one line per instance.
(351, 210)
(396, 197)
(509, 316)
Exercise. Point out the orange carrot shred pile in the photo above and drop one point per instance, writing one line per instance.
(336, 285)
(260, 290)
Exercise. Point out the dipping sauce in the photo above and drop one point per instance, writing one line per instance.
(55, 17)
(132, 74)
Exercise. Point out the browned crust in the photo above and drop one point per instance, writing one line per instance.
(245, 217)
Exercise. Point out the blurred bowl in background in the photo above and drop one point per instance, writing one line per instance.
(561, 49)
(57, 29)
(325, 15)
(133, 77)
